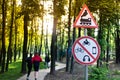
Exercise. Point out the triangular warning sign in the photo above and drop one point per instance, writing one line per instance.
(85, 19)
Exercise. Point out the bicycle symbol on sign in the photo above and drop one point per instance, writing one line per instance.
(79, 50)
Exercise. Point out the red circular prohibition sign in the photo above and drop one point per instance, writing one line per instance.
(86, 50)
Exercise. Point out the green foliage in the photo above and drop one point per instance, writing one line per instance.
(90, 32)
(42, 65)
(32, 7)
(59, 8)
(98, 73)
(116, 72)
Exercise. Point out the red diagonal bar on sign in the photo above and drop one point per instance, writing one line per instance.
(86, 50)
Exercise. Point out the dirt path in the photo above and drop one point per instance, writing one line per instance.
(63, 75)
(114, 70)
(113, 66)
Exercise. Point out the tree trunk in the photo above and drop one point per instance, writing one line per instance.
(74, 37)
(15, 46)
(99, 37)
(107, 56)
(72, 59)
(0, 56)
(69, 41)
(53, 47)
(23, 70)
(46, 42)
(79, 32)
(31, 37)
(41, 38)
(10, 38)
(53, 42)
(117, 47)
(117, 38)
(3, 35)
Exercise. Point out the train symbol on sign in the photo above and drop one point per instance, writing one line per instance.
(84, 19)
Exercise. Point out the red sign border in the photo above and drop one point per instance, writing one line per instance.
(80, 62)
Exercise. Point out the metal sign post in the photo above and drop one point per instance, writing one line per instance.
(86, 72)
(86, 66)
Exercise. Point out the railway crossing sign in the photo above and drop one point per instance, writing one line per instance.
(85, 19)
(86, 50)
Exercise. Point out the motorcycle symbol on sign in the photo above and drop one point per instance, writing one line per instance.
(86, 42)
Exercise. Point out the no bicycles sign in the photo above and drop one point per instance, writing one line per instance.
(86, 50)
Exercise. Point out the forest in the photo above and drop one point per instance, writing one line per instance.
(46, 27)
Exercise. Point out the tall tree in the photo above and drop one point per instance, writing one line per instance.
(4, 7)
(53, 42)
(74, 33)
(30, 9)
(9, 53)
(58, 11)
(16, 28)
(69, 40)
(117, 30)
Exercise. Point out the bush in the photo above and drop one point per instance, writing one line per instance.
(98, 73)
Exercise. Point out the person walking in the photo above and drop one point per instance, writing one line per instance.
(47, 60)
(29, 65)
(36, 62)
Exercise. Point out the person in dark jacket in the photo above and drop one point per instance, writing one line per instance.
(36, 62)
(47, 60)
(29, 65)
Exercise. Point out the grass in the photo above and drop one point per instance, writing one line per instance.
(14, 71)
(115, 78)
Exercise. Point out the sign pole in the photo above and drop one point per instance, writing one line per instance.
(86, 66)
(86, 72)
